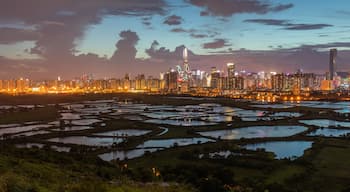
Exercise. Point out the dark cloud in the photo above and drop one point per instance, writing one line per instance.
(323, 46)
(216, 44)
(13, 35)
(126, 51)
(276, 22)
(146, 21)
(194, 33)
(307, 26)
(198, 36)
(173, 20)
(61, 25)
(230, 7)
(280, 60)
(287, 25)
(163, 53)
(179, 30)
(282, 7)
(204, 13)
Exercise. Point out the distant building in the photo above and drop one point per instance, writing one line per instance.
(171, 80)
(215, 78)
(332, 56)
(231, 75)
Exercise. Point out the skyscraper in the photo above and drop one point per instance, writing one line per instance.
(186, 67)
(332, 56)
(231, 75)
(230, 70)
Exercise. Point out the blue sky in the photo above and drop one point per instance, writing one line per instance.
(101, 39)
(52, 37)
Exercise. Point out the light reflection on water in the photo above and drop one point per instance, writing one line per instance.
(282, 149)
(255, 132)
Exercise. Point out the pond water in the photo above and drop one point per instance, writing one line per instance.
(30, 133)
(60, 148)
(185, 123)
(9, 125)
(19, 129)
(286, 114)
(124, 132)
(30, 145)
(39, 145)
(255, 132)
(325, 123)
(134, 117)
(273, 106)
(327, 132)
(85, 121)
(122, 155)
(217, 118)
(73, 128)
(282, 149)
(84, 140)
(6, 107)
(70, 116)
(167, 143)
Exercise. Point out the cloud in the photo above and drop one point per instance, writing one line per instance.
(198, 36)
(173, 20)
(62, 24)
(216, 44)
(321, 46)
(146, 21)
(282, 7)
(196, 33)
(275, 22)
(13, 35)
(126, 51)
(287, 25)
(307, 26)
(179, 30)
(204, 13)
(227, 8)
(163, 53)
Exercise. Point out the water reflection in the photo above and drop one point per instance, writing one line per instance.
(255, 132)
(124, 132)
(325, 123)
(122, 155)
(326, 132)
(166, 143)
(282, 149)
(89, 141)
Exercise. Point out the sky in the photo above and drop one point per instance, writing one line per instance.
(43, 39)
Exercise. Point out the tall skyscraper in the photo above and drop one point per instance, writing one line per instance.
(215, 77)
(231, 70)
(332, 56)
(231, 75)
(186, 67)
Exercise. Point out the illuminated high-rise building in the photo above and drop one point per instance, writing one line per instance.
(231, 70)
(215, 77)
(332, 56)
(230, 75)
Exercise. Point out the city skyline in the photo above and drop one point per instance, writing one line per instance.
(111, 38)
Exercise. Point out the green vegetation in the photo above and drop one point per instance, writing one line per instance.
(34, 170)
(29, 115)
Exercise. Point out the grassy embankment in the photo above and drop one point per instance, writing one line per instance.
(44, 170)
